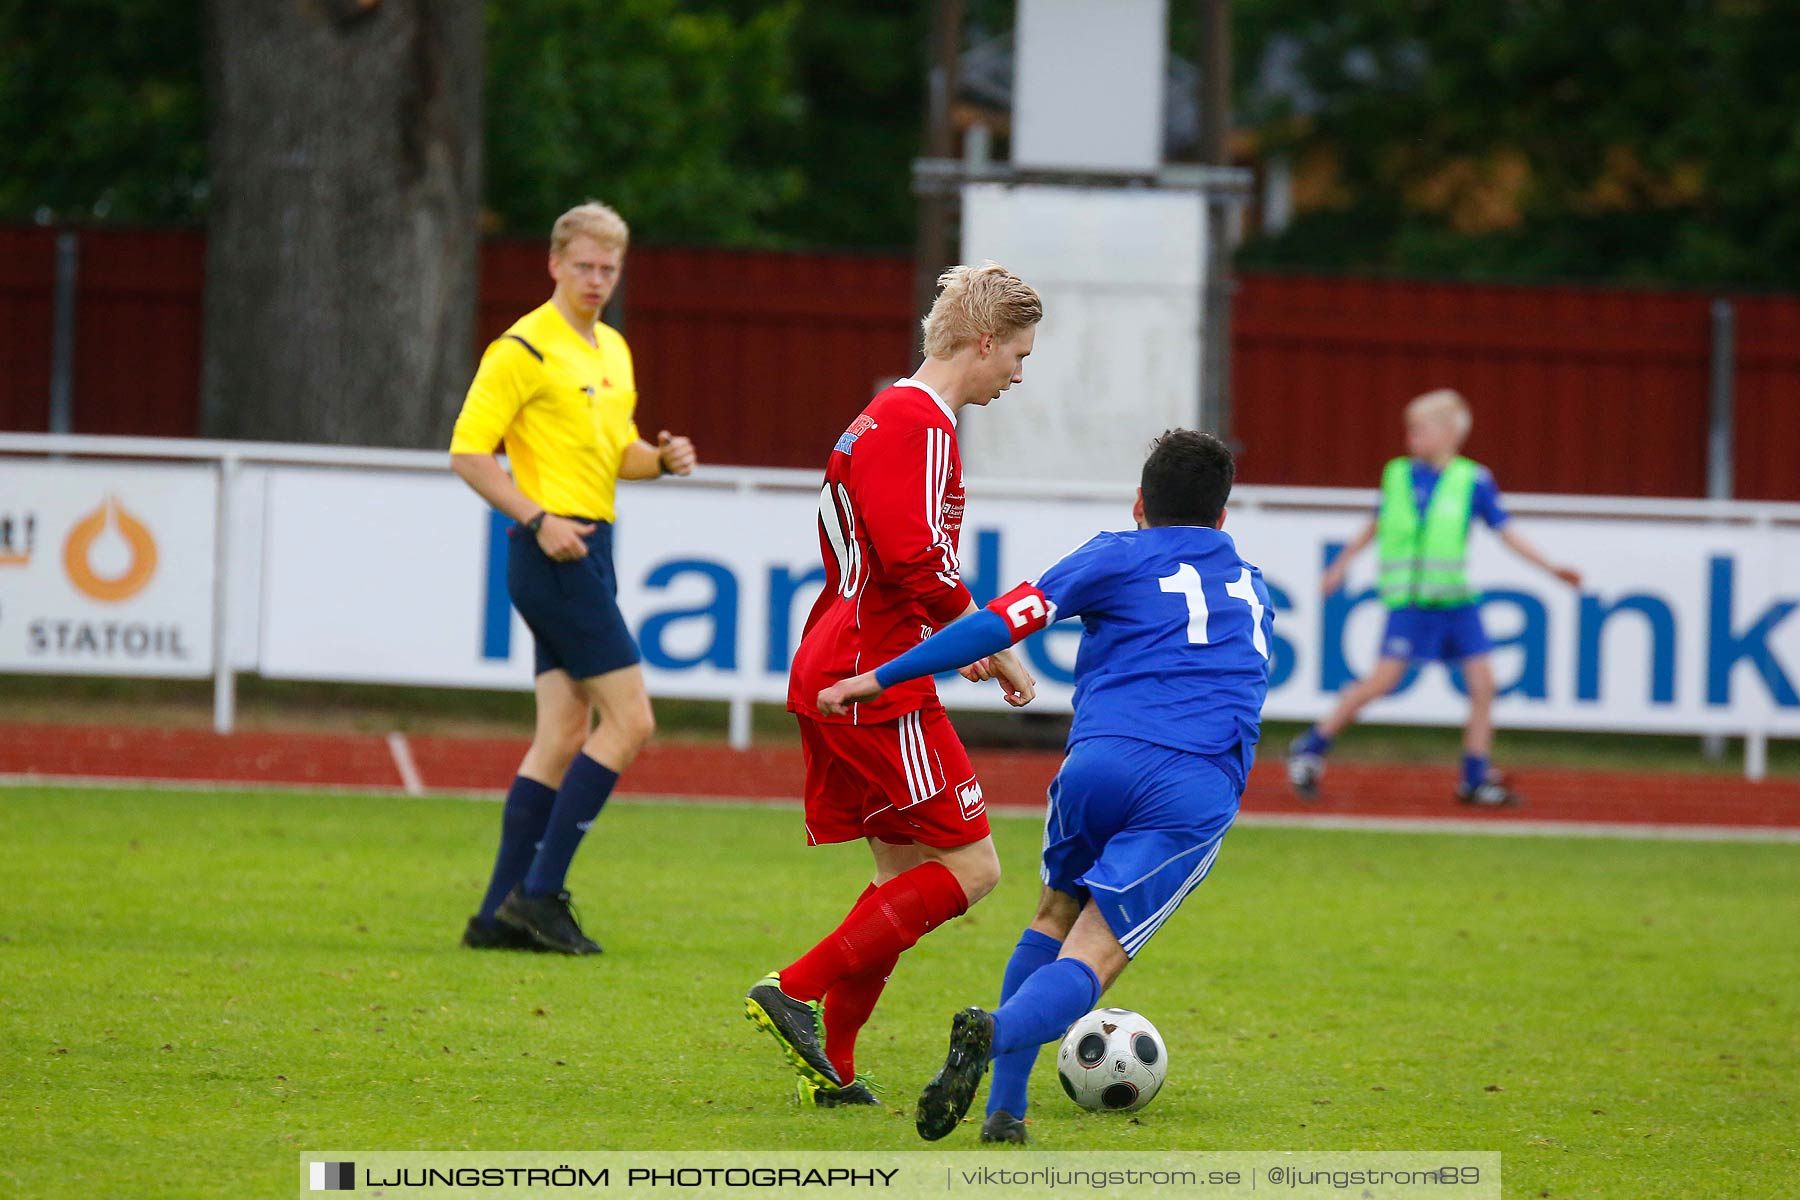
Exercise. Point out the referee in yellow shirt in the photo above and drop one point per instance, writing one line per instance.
(557, 390)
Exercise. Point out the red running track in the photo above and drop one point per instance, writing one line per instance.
(1010, 778)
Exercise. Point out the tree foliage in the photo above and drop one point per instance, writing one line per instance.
(667, 110)
(101, 111)
(1541, 137)
(1495, 139)
(860, 66)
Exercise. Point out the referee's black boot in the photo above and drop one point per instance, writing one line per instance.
(550, 920)
(482, 934)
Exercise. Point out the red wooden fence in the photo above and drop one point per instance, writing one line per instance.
(763, 357)
(1323, 366)
(27, 275)
(1768, 399)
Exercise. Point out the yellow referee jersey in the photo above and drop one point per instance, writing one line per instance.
(563, 409)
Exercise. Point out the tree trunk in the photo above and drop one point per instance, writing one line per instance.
(346, 176)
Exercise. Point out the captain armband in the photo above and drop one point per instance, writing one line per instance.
(1025, 611)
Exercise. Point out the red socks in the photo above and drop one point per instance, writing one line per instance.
(848, 1005)
(887, 922)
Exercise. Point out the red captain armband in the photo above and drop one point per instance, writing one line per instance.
(1025, 611)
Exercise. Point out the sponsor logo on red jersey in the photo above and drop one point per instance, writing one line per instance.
(858, 427)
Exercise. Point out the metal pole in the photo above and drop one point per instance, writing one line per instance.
(1721, 397)
(1215, 320)
(614, 312)
(1216, 285)
(1756, 755)
(931, 251)
(62, 335)
(740, 728)
(224, 673)
(1722, 400)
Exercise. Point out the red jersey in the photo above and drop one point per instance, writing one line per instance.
(890, 517)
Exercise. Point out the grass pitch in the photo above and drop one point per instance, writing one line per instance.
(196, 986)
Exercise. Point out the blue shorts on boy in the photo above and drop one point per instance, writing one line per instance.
(1446, 635)
(1136, 826)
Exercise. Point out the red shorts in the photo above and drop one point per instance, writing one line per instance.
(906, 780)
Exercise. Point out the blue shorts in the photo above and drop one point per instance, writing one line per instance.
(1446, 635)
(572, 608)
(1135, 826)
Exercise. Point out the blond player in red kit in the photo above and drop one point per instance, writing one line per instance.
(892, 771)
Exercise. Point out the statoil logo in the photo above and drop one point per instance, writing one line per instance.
(18, 538)
(110, 555)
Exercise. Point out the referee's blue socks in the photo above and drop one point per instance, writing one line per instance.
(578, 801)
(1013, 1069)
(1475, 769)
(1054, 998)
(1312, 742)
(522, 823)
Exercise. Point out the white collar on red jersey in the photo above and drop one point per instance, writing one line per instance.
(932, 392)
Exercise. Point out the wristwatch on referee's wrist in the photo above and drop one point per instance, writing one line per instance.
(536, 523)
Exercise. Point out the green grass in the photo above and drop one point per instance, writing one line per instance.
(223, 980)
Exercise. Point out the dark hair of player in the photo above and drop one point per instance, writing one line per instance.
(1186, 479)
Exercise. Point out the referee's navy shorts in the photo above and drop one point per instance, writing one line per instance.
(571, 608)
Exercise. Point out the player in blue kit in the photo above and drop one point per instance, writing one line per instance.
(1430, 498)
(1169, 687)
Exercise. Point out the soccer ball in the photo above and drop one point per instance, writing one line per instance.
(1112, 1060)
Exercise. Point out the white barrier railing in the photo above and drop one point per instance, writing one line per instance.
(1694, 565)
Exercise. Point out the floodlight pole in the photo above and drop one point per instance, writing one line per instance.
(1216, 284)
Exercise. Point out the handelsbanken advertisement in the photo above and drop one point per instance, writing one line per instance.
(1681, 624)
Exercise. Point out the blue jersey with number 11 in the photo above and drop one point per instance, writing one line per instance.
(1175, 644)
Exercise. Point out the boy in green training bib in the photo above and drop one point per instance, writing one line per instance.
(1421, 530)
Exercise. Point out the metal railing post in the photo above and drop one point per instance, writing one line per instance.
(754, 617)
(741, 711)
(1756, 755)
(224, 670)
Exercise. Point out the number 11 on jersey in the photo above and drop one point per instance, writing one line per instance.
(1186, 582)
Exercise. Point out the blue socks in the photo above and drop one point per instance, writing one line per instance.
(1311, 742)
(1012, 1071)
(522, 822)
(1044, 1007)
(578, 801)
(1475, 769)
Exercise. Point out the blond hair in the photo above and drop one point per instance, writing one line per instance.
(594, 220)
(1443, 404)
(972, 301)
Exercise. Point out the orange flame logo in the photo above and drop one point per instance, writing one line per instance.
(77, 554)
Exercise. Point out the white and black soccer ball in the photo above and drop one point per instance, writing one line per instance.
(1112, 1060)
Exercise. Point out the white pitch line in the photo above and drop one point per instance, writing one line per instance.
(1570, 829)
(1451, 826)
(103, 783)
(403, 763)
(1443, 826)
